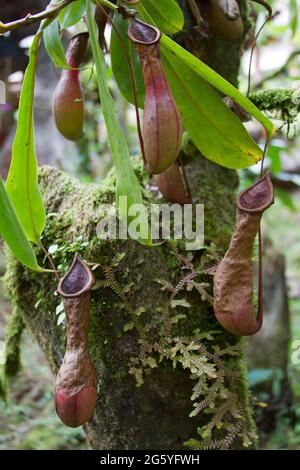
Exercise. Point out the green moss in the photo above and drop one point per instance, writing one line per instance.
(218, 199)
(247, 20)
(12, 356)
(224, 55)
(132, 317)
(14, 332)
(280, 102)
(3, 384)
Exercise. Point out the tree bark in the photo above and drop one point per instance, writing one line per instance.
(273, 340)
(152, 318)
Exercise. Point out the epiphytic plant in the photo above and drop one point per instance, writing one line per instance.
(162, 128)
(172, 185)
(101, 20)
(233, 281)
(224, 18)
(206, 124)
(76, 383)
(68, 105)
(204, 115)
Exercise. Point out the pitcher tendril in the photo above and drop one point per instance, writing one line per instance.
(76, 382)
(268, 18)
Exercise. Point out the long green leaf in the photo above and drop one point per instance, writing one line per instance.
(54, 46)
(214, 128)
(294, 13)
(215, 80)
(72, 14)
(166, 14)
(127, 183)
(22, 180)
(216, 131)
(13, 233)
(205, 72)
(120, 64)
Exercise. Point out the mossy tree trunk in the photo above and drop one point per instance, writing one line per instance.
(153, 336)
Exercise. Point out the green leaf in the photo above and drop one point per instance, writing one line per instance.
(54, 46)
(213, 78)
(205, 72)
(13, 233)
(294, 16)
(165, 14)
(22, 180)
(72, 14)
(213, 127)
(286, 199)
(127, 183)
(274, 154)
(258, 376)
(119, 62)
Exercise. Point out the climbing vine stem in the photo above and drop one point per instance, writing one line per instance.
(50, 12)
(268, 18)
(51, 262)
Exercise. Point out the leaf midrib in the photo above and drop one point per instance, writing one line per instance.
(240, 149)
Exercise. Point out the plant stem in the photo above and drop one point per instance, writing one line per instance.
(122, 9)
(132, 80)
(283, 69)
(29, 19)
(108, 4)
(48, 256)
(52, 12)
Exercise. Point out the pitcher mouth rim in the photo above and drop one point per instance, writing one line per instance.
(86, 288)
(268, 203)
(145, 43)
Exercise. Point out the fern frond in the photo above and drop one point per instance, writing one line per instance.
(112, 282)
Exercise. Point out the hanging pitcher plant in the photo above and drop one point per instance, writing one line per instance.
(162, 130)
(233, 281)
(68, 104)
(174, 90)
(76, 382)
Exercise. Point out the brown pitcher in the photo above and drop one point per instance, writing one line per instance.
(233, 281)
